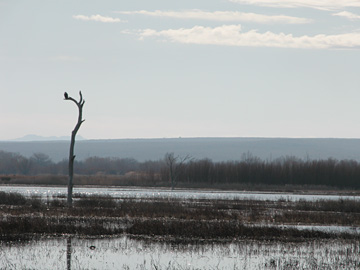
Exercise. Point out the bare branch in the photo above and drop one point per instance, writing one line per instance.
(175, 166)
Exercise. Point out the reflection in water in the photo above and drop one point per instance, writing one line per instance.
(125, 253)
(68, 253)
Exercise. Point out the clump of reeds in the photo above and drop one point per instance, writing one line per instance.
(214, 219)
(18, 199)
(12, 198)
(57, 203)
(55, 225)
(341, 205)
(198, 229)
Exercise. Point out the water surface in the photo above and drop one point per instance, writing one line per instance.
(126, 253)
(118, 192)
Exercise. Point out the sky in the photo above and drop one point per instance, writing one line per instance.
(168, 69)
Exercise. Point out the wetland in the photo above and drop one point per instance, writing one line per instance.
(186, 229)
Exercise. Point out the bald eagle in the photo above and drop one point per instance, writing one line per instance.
(66, 95)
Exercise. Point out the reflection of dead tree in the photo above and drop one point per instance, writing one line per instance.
(175, 165)
(80, 105)
(68, 253)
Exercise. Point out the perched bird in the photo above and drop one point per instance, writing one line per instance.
(66, 95)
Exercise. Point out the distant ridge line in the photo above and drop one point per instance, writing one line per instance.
(33, 138)
(214, 148)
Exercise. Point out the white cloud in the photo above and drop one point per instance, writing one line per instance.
(222, 16)
(317, 4)
(97, 18)
(348, 15)
(231, 35)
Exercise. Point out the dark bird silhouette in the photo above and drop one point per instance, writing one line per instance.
(66, 95)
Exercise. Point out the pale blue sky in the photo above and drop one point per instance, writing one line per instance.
(154, 69)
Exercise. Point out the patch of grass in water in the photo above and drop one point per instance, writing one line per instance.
(12, 198)
(91, 201)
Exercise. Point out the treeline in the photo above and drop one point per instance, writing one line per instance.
(39, 163)
(248, 170)
(283, 171)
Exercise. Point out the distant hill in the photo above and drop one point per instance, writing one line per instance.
(33, 137)
(217, 149)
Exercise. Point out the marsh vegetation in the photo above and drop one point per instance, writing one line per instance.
(177, 233)
(175, 218)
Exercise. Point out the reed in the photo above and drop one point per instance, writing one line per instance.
(164, 217)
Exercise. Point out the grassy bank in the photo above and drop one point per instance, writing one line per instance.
(174, 218)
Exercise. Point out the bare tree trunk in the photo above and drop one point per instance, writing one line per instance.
(80, 105)
(170, 160)
(175, 165)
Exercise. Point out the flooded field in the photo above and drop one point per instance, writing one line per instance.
(126, 253)
(130, 228)
(116, 192)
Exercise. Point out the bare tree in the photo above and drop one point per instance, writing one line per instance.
(80, 105)
(175, 165)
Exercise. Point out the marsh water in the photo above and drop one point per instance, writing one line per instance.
(55, 191)
(124, 252)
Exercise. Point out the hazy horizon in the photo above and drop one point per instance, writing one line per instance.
(28, 137)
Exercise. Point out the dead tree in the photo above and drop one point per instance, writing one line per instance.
(175, 165)
(80, 105)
